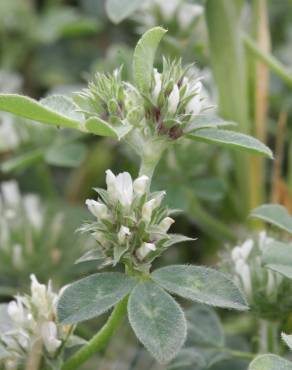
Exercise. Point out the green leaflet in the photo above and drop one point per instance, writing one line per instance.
(270, 362)
(207, 122)
(204, 327)
(201, 284)
(144, 57)
(92, 296)
(157, 320)
(232, 140)
(37, 111)
(277, 257)
(274, 214)
(118, 10)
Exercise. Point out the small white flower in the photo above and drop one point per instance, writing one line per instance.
(123, 234)
(39, 295)
(246, 248)
(147, 210)
(236, 253)
(167, 8)
(49, 335)
(243, 271)
(16, 311)
(120, 187)
(99, 210)
(166, 223)
(173, 100)
(145, 249)
(157, 87)
(10, 192)
(33, 210)
(140, 185)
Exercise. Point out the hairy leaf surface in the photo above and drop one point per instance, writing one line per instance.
(274, 214)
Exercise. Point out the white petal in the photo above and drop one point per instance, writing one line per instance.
(166, 223)
(145, 249)
(147, 210)
(173, 100)
(246, 248)
(157, 87)
(98, 209)
(194, 105)
(33, 210)
(140, 185)
(125, 189)
(49, 335)
(123, 234)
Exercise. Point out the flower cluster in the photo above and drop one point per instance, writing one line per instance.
(131, 225)
(173, 100)
(32, 321)
(266, 290)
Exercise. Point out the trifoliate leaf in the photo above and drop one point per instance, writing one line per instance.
(37, 111)
(157, 320)
(270, 362)
(201, 284)
(274, 214)
(144, 57)
(118, 10)
(92, 296)
(231, 139)
(97, 126)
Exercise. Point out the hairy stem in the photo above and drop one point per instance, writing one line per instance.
(100, 340)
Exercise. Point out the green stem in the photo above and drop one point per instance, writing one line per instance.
(268, 59)
(101, 339)
(268, 336)
(235, 353)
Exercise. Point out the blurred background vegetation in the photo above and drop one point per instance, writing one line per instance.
(55, 46)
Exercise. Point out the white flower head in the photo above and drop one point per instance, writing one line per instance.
(140, 185)
(50, 336)
(98, 209)
(123, 234)
(173, 100)
(145, 249)
(166, 223)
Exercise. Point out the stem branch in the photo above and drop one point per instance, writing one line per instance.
(100, 340)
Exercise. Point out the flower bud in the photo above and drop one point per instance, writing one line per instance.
(111, 184)
(147, 210)
(157, 86)
(243, 271)
(123, 234)
(99, 210)
(39, 294)
(246, 248)
(173, 100)
(49, 336)
(165, 224)
(140, 185)
(144, 250)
